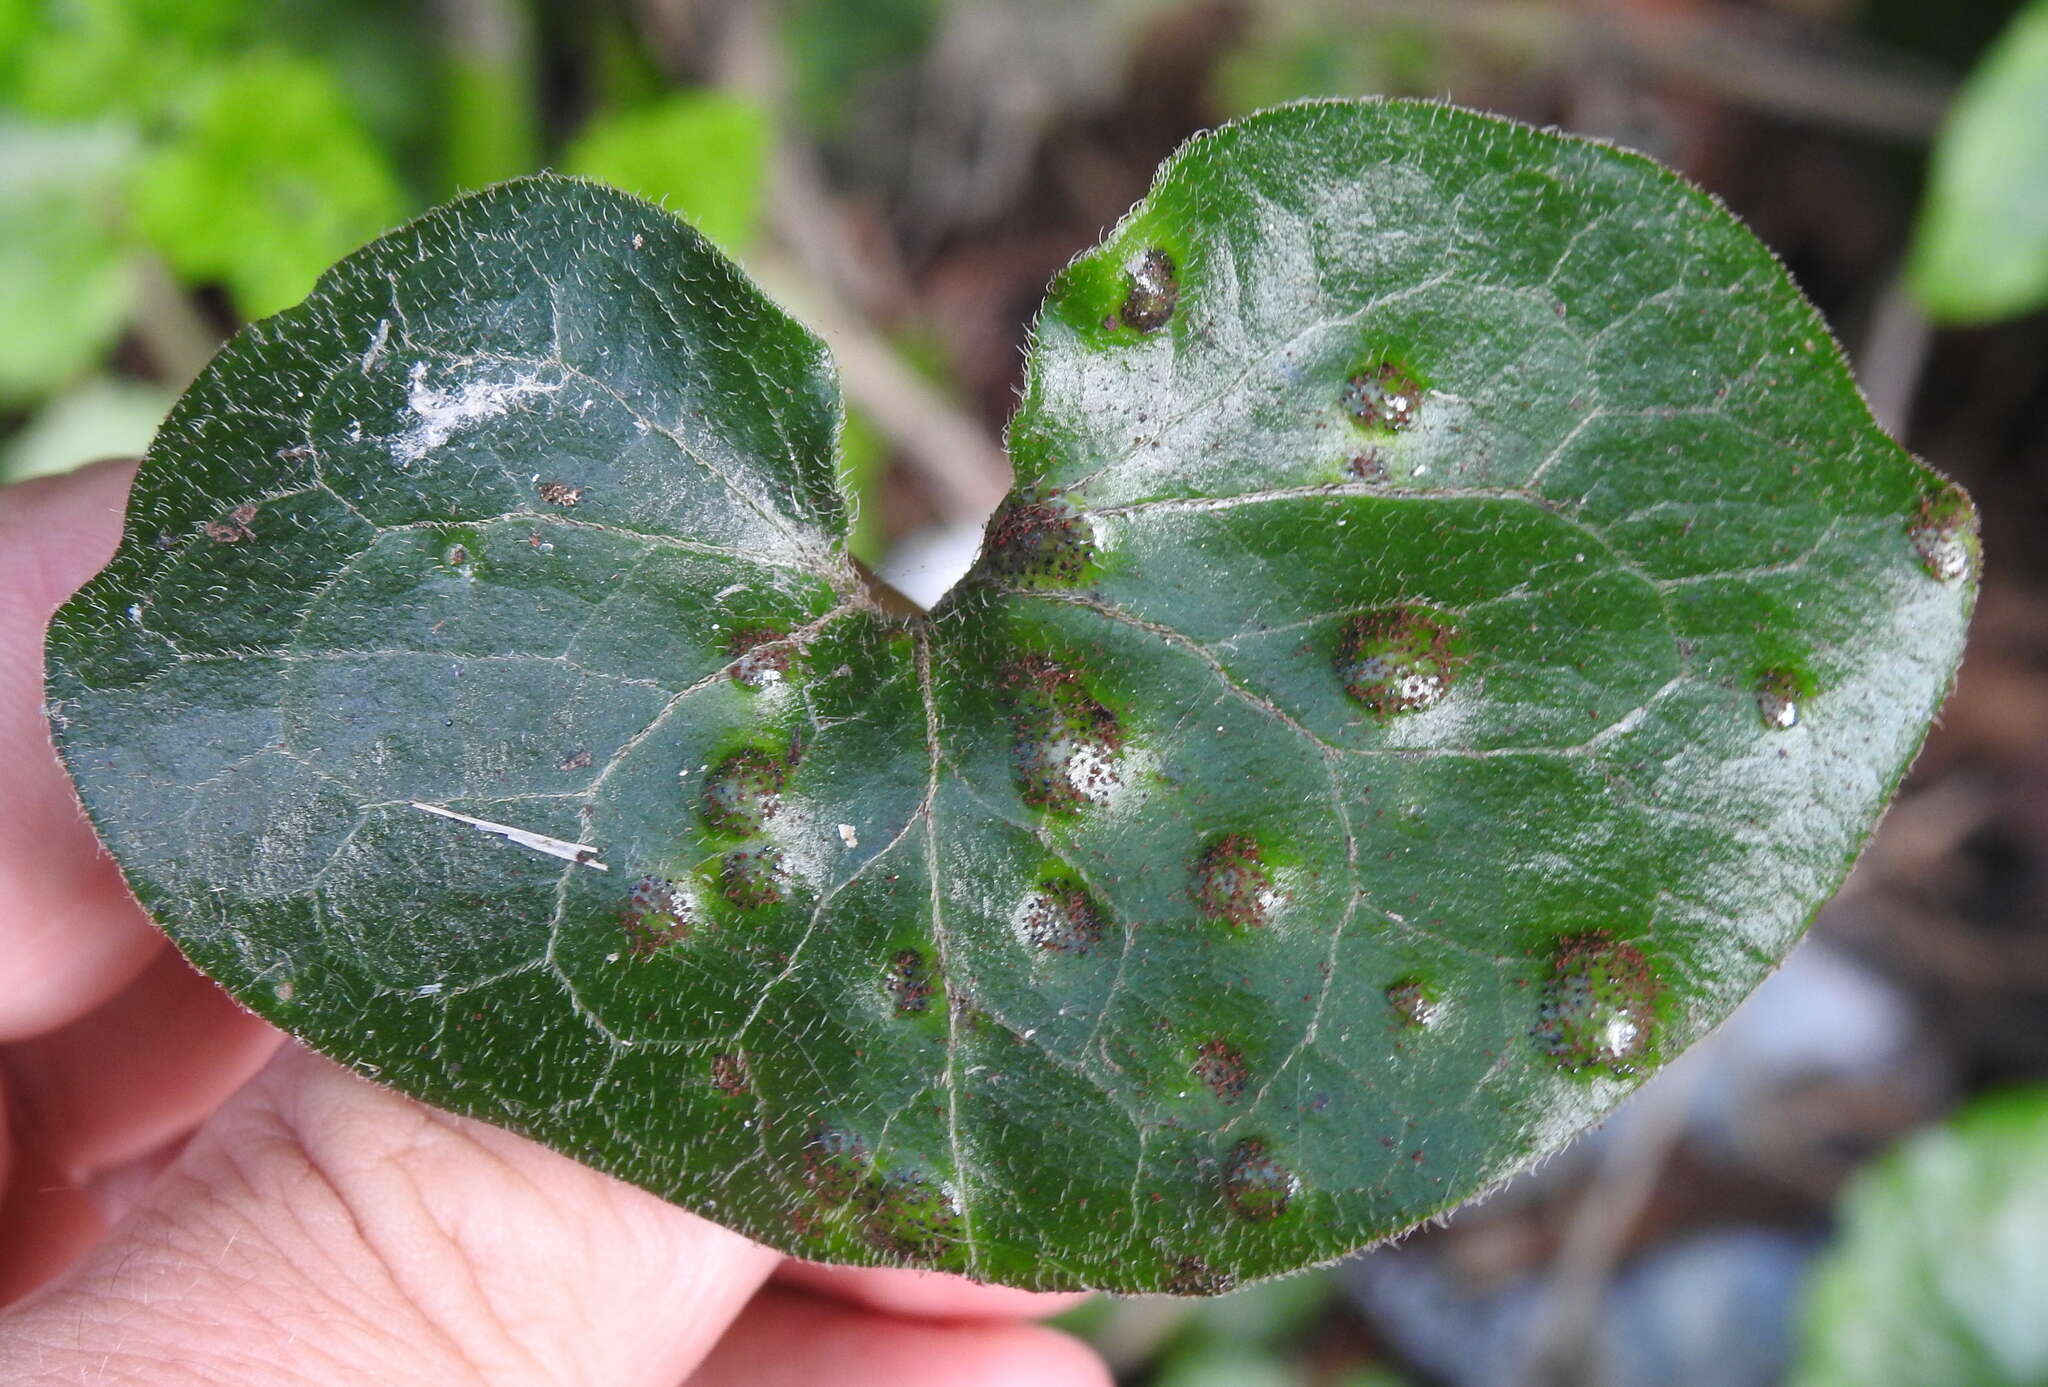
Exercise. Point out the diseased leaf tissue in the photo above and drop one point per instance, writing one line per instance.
(1455, 622)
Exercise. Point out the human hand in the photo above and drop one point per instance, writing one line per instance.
(193, 1199)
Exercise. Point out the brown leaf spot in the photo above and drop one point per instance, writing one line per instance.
(1221, 1066)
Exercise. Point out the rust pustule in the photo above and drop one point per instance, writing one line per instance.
(1221, 1066)
(234, 527)
(1598, 1008)
(1943, 533)
(1233, 885)
(1066, 743)
(835, 1164)
(1192, 1276)
(729, 1073)
(908, 981)
(1154, 292)
(1034, 538)
(1384, 397)
(1258, 1187)
(1060, 917)
(654, 916)
(1368, 466)
(743, 791)
(760, 656)
(1399, 659)
(751, 878)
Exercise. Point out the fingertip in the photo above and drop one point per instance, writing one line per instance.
(924, 1294)
(46, 1223)
(130, 1076)
(56, 532)
(70, 934)
(318, 1216)
(789, 1338)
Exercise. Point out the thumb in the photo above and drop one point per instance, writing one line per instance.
(70, 937)
(322, 1229)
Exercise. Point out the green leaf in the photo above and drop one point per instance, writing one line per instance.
(1227, 1365)
(1456, 622)
(1981, 249)
(272, 178)
(83, 59)
(1942, 1263)
(64, 280)
(703, 154)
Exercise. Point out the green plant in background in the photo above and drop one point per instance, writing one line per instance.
(268, 178)
(64, 283)
(703, 154)
(1455, 621)
(1249, 1338)
(189, 132)
(836, 50)
(1942, 1261)
(1315, 50)
(1980, 252)
(147, 149)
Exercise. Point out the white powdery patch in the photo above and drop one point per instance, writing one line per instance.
(1619, 1038)
(1779, 712)
(439, 413)
(1944, 553)
(1091, 771)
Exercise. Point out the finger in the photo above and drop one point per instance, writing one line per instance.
(927, 1294)
(321, 1228)
(46, 1222)
(70, 934)
(790, 1339)
(132, 1074)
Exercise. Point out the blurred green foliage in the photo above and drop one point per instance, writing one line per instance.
(863, 459)
(701, 153)
(242, 146)
(1941, 1270)
(837, 50)
(64, 287)
(104, 417)
(1981, 249)
(1307, 50)
(269, 179)
(1249, 1338)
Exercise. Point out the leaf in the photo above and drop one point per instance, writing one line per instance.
(1942, 1262)
(702, 153)
(1456, 621)
(273, 177)
(1980, 251)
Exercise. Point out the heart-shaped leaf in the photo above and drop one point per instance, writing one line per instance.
(1455, 622)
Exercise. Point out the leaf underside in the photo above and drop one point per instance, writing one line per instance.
(1456, 621)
